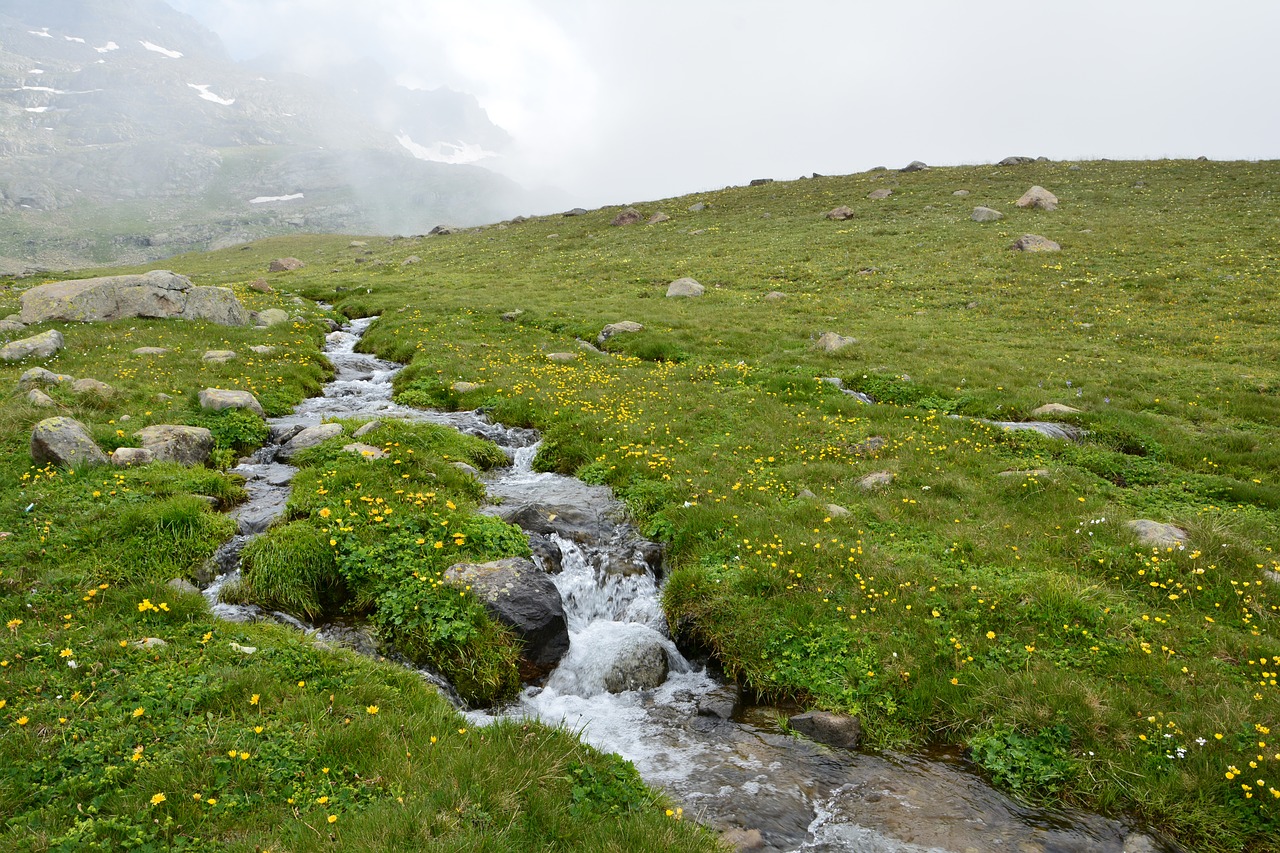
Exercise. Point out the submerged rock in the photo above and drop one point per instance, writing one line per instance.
(643, 666)
(838, 730)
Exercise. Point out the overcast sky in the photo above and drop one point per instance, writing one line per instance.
(618, 102)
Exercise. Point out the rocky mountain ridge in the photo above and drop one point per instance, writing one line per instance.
(128, 134)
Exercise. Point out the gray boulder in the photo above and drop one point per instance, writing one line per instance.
(365, 451)
(8, 327)
(41, 400)
(630, 216)
(1158, 535)
(92, 386)
(960, 193)
(837, 511)
(1016, 161)
(525, 599)
(685, 287)
(273, 317)
(623, 326)
(285, 265)
(722, 702)
(262, 349)
(881, 193)
(914, 166)
(562, 357)
(185, 445)
(1054, 409)
(775, 295)
(158, 294)
(42, 345)
(831, 342)
(840, 213)
(838, 730)
(219, 356)
(217, 399)
(127, 457)
(1038, 198)
(64, 442)
(642, 666)
(310, 437)
(876, 480)
(659, 218)
(40, 376)
(366, 429)
(696, 207)
(1035, 243)
(150, 351)
(985, 214)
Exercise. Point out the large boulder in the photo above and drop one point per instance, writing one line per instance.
(523, 597)
(217, 399)
(158, 294)
(42, 345)
(64, 442)
(185, 445)
(685, 287)
(1039, 198)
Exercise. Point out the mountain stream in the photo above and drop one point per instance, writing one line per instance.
(728, 766)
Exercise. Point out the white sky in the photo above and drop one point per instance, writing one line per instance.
(616, 102)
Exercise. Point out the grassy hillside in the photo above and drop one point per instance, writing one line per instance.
(991, 592)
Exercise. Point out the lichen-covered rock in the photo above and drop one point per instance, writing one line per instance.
(64, 442)
(43, 377)
(217, 399)
(1158, 535)
(273, 317)
(41, 400)
(185, 445)
(158, 294)
(42, 345)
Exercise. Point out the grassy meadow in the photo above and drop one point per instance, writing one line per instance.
(990, 593)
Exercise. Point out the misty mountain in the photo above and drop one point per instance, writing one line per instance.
(127, 134)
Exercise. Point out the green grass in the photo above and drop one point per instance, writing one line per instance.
(1014, 614)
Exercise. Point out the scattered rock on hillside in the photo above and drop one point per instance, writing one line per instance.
(562, 357)
(630, 216)
(876, 480)
(159, 294)
(1158, 535)
(1035, 243)
(523, 598)
(577, 211)
(42, 345)
(219, 356)
(261, 286)
(775, 295)
(641, 665)
(185, 445)
(961, 193)
(1054, 409)
(914, 166)
(621, 327)
(310, 437)
(840, 213)
(1032, 472)
(10, 326)
(272, 317)
(760, 182)
(64, 442)
(838, 730)
(883, 192)
(1039, 198)
(805, 495)
(465, 387)
(128, 457)
(1016, 161)
(150, 351)
(985, 214)
(696, 207)
(366, 429)
(443, 231)
(832, 341)
(40, 400)
(41, 376)
(685, 287)
(837, 511)
(366, 451)
(92, 386)
(285, 265)
(217, 399)
(659, 217)
(410, 261)
(869, 446)
(262, 349)
(512, 316)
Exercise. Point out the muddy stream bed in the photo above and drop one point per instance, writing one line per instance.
(729, 766)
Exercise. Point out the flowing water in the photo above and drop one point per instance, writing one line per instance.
(686, 732)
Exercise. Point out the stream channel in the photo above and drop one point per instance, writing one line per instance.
(729, 766)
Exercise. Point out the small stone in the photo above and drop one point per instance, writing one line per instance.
(1035, 243)
(42, 345)
(469, 470)
(1034, 473)
(150, 643)
(832, 342)
(621, 327)
(722, 702)
(367, 451)
(272, 317)
(219, 356)
(410, 261)
(743, 840)
(128, 457)
(837, 511)
(658, 218)
(38, 398)
(630, 216)
(877, 480)
(285, 265)
(881, 193)
(41, 376)
(150, 351)
(366, 429)
(806, 495)
(183, 586)
(244, 650)
(260, 285)
(262, 349)
(465, 387)
(685, 287)
(840, 213)
(217, 399)
(985, 214)
(512, 316)
(696, 207)
(357, 244)
(838, 730)
(961, 193)
(869, 446)
(1039, 198)
(1054, 409)
(775, 295)
(562, 357)
(1016, 161)
(1158, 535)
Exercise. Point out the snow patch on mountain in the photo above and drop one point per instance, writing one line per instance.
(446, 152)
(155, 48)
(43, 33)
(205, 94)
(263, 199)
(74, 39)
(108, 47)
